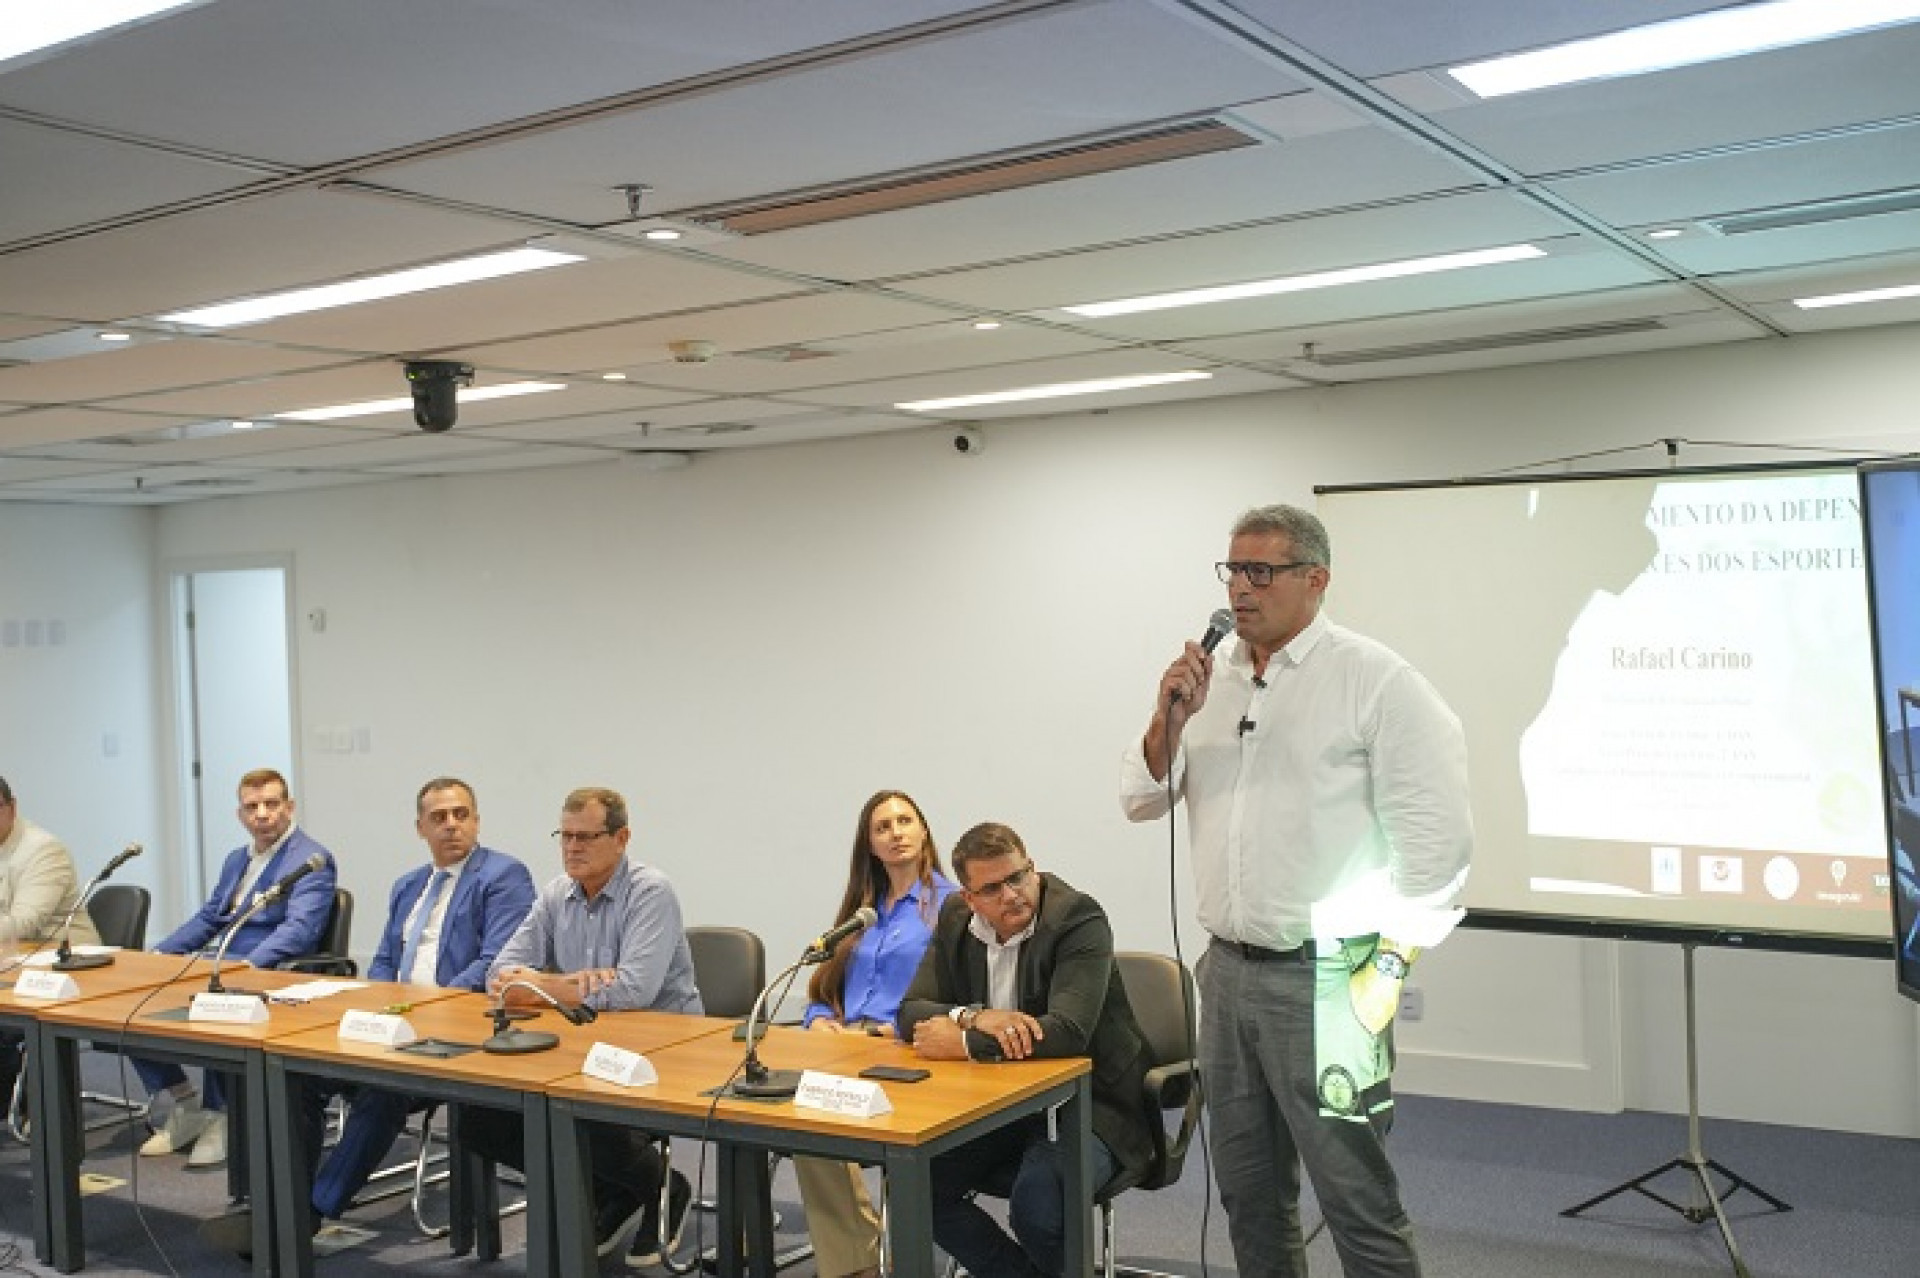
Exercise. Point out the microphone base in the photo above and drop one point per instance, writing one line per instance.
(519, 1042)
(81, 962)
(773, 1084)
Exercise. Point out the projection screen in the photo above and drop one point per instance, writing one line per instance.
(1667, 685)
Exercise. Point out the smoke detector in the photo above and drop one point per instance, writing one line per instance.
(693, 352)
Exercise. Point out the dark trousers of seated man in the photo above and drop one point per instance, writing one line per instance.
(1020, 1164)
(627, 1167)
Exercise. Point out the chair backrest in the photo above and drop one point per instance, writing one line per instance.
(332, 955)
(1161, 992)
(729, 968)
(119, 913)
(337, 938)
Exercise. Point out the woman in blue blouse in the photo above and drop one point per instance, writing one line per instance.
(895, 869)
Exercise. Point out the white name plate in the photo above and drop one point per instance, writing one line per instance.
(379, 1028)
(46, 984)
(228, 1009)
(859, 1097)
(619, 1066)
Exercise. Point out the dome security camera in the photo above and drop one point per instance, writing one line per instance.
(435, 384)
(968, 441)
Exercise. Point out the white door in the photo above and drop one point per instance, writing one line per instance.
(230, 631)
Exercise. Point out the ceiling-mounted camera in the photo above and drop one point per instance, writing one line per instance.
(435, 384)
(968, 441)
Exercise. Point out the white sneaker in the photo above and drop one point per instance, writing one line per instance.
(183, 1126)
(211, 1149)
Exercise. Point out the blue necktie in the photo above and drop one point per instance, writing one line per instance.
(410, 951)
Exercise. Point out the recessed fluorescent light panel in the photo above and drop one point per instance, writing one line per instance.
(419, 279)
(1854, 299)
(1302, 283)
(1682, 42)
(1055, 391)
(30, 28)
(374, 407)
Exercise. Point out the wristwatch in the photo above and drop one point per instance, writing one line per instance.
(1391, 965)
(964, 1017)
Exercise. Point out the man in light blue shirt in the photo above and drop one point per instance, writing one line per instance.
(606, 934)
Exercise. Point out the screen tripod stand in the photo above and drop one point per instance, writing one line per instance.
(1705, 1203)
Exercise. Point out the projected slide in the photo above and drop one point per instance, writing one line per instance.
(1666, 681)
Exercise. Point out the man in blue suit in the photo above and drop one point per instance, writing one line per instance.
(284, 929)
(446, 921)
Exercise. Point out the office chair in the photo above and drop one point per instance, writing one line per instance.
(1162, 994)
(730, 970)
(119, 913)
(334, 956)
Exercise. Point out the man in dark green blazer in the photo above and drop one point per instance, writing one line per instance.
(1021, 965)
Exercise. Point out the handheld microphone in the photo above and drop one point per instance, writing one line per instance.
(64, 959)
(824, 944)
(510, 1040)
(1219, 626)
(260, 901)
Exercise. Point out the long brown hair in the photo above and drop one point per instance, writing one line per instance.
(867, 884)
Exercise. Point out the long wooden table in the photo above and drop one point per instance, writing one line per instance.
(958, 1102)
(151, 1022)
(138, 1005)
(513, 1082)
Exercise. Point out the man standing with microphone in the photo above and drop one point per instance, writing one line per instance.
(285, 928)
(1326, 792)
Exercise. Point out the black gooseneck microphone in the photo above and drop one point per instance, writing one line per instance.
(824, 945)
(64, 959)
(261, 900)
(510, 1040)
(756, 1080)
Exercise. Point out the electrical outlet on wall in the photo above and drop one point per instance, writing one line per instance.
(1413, 1003)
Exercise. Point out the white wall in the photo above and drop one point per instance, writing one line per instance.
(749, 647)
(79, 729)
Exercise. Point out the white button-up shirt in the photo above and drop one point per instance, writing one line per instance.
(1328, 799)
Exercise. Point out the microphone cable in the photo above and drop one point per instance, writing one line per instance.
(1190, 1018)
(120, 1047)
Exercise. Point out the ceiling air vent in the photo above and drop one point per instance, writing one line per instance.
(1814, 212)
(1472, 345)
(978, 175)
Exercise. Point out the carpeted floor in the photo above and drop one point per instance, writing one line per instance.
(1485, 1184)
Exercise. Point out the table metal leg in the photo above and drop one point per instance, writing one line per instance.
(291, 1183)
(542, 1258)
(60, 1142)
(569, 1189)
(910, 1212)
(1075, 1120)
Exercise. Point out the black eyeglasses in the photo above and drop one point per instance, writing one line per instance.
(1256, 573)
(564, 837)
(993, 890)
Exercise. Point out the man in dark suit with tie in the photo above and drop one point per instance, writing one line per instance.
(445, 922)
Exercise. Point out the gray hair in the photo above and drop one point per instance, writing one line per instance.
(1302, 529)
